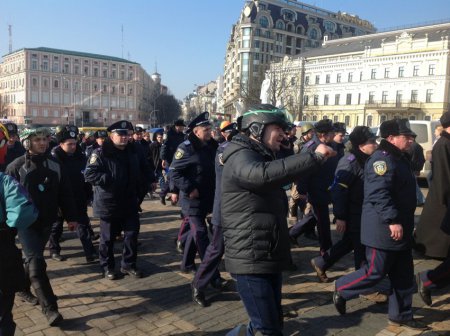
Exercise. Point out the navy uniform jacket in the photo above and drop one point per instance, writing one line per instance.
(347, 190)
(115, 177)
(193, 168)
(217, 208)
(170, 145)
(389, 198)
(316, 186)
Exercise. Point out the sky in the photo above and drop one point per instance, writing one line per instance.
(186, 40)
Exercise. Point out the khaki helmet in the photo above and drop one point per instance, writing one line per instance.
(306, 127)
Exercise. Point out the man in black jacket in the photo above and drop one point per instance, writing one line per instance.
(69, 154)
(254, 209)
(113, 170)
(15, 148)
(49, 187)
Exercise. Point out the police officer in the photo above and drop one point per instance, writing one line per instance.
(387, 224)
(347, 193)
(193, 173)
(99, 137)
(16, 212)
(338, 143)
(113, 171)
(436, 213)
(69, 154)
(49, 188)
(174, 137)
(15, 148)
(315, 189)
(208, 271)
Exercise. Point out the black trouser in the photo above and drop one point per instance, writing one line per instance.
(7, 325)
(33, 240)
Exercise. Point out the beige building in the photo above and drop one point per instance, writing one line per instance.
(369, 79)
(51, 86)
(268, 30)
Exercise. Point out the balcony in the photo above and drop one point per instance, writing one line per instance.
(392, 105)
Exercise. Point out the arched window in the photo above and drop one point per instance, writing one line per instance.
(264, 22)
(313, 34)
(300, 30)
(280, 25)
(369, 121)
(290, 27)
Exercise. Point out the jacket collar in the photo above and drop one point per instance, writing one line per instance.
(109, 149)
(390, 148)
(243, 141)
(445, 135)
(197, 144)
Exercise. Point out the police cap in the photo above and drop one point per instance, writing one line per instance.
(67, 132)
(12, 128)
(119, 126)
(360, 135)
(396, 127)
(445, 120)
(138, 129)
(100, 134)
(324, 126)
(201, 119)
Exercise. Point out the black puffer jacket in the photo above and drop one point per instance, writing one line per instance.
(254, 205)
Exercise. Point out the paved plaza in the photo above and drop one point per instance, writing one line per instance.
(160, 303)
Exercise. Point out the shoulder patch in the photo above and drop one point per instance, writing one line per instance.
(93, 158)
(220, 157)
(380, 167)
(351, 158)
(179, 154)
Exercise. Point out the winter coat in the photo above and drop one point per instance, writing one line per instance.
(254, 205)
(435, 216)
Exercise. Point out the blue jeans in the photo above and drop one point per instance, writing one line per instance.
(261, 295)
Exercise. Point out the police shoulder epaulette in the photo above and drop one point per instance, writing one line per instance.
(351, 158)
(385, 153)
(187, 142)
(309, 143)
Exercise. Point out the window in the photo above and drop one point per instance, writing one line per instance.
(55, 83)
(292, 81)
(325, 99)
(130, 75)
(86, 71)
(369, 121)
(348, 101)
(246, 31)
(350, 77)
(316, 100)
(360, 76)
(45, 66)
(399, 97)
(386, 72)
(338, 78)
(280, 25)
(45, 82)
(306, 100)
(413, 96)
(384, 96)
(371, 96)
(373, 74)
(122, 75)
(347, 120)
(34, 82)
(317, 79)
(327, 79)
(337, 98)
(416, 71)
(263, 22)
(313, 34)
(429, 95)
(306, 80)
(95, 72)
(105, 73)
(431, 69)
(336, 118)
(34, 65)
(383, 118)
(76, 70)
(401, 71)
(55, 67)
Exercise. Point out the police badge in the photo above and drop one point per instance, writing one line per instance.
(93, 159)
(380, 167)
(179, 154)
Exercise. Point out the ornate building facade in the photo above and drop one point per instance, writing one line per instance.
(51, 86)
(268, 30)
(365, 80)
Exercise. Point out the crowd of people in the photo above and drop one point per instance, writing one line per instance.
(231, 183)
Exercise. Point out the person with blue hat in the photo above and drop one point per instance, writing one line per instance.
(113, 170)
(193, 173)
(387, 224)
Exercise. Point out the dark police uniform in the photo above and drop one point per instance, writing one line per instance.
(208, 271)
(114, 175)
(193, 168)
(316, 187)
(389, 198)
